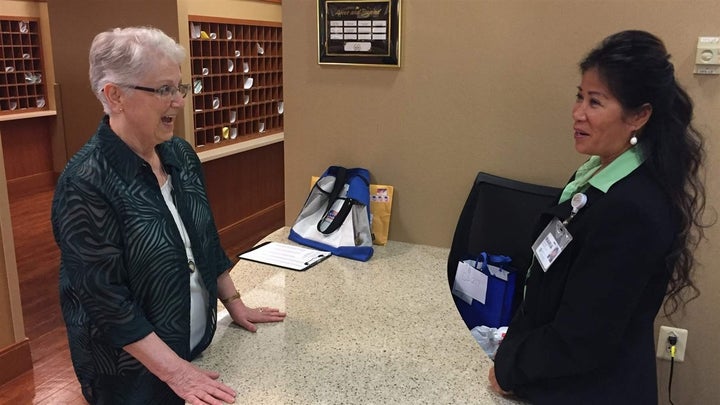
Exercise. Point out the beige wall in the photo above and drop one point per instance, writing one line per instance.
(488, 85)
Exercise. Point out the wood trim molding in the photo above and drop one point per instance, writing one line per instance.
(32, 114)
(16, 359)
(254, 143)
(245, 233)
(31, 184)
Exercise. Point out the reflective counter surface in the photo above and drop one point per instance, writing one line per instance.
(376, 332)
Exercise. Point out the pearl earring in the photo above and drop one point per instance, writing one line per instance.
(633, 140)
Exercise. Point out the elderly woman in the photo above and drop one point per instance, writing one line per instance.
(142, 266)
(630, 219)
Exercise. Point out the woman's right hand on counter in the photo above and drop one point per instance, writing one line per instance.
(191, 383)
(200, 387)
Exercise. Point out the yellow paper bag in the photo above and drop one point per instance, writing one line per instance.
(380, 210)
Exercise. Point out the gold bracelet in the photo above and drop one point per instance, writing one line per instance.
(231, 298)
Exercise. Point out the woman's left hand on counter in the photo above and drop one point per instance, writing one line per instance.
(247, 317)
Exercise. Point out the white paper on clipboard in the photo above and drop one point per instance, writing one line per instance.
(286, 256)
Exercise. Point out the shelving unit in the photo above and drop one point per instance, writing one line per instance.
(236, 85)
(22, 88)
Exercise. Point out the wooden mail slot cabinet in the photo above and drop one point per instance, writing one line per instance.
(237, 78)
(22, 88)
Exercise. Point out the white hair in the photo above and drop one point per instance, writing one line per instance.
(121, 55)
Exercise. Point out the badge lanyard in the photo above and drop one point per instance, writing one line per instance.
(555, 237)
(578, 201)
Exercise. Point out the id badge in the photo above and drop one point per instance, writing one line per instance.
(551, 242)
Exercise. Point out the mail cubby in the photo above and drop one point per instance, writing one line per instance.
(236, 79)
(21, 69)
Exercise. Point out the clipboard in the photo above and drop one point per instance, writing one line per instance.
(289, 257)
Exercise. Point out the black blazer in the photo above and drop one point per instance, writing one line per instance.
(584, 332)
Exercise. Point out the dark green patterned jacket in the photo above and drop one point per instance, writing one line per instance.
(123, 270)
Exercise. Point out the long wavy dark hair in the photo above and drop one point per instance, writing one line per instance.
(636, 68)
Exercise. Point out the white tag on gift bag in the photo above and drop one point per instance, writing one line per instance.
(470, 284)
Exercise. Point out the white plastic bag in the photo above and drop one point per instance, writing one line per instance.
(489, 338)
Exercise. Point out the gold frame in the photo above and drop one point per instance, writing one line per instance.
(381, 17)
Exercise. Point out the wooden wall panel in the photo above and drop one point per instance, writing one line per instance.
(16, 359)
(26, 144)
(27, 149)
(246, 193)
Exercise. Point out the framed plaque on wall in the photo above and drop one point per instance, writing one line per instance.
(361, 32)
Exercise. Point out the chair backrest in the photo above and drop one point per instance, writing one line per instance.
(498, 218)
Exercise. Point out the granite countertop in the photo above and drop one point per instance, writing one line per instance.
(382, 331)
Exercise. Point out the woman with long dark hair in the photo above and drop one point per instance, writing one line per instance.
(627, 224)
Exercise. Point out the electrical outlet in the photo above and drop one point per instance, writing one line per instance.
(663, 347)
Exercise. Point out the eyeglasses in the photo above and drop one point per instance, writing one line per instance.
(165, 90)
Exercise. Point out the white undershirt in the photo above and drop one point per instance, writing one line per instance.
(198, 293)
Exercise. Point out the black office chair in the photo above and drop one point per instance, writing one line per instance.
(498, 218)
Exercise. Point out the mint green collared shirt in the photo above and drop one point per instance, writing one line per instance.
(623, 165)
